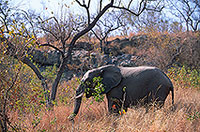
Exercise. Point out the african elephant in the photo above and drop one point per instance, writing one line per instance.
(126, 86)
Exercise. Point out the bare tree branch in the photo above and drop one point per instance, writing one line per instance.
(188, 11)
(141, 8)
(100, 5)
(86, 7)
(129, 4)
(26, 15)
(49, 45)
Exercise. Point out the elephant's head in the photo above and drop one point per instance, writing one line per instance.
(111, 77)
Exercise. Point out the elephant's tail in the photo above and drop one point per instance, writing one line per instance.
(172, 90)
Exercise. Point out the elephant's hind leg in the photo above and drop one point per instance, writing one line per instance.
(161, 96)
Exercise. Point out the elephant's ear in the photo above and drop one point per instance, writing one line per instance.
(111, 77)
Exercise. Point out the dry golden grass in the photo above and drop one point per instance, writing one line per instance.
(95, 118)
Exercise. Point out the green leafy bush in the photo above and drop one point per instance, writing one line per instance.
(185, 76)
(99, 88)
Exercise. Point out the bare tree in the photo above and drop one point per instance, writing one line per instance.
(150, 20)
(110, 22)
(188, 11)
(62, 32)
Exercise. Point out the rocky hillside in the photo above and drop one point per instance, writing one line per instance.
(161, 50)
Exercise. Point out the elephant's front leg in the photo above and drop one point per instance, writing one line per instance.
(115, 106)
(109, 105)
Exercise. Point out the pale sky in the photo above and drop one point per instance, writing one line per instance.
(52, 5)
(45, 7)
(42, 5)
(27, 4)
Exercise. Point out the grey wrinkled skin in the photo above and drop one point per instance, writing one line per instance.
(127, 86)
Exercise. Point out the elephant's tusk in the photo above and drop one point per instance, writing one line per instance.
(80, 95)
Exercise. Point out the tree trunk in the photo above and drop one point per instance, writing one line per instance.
(57, 80)
(101, 46)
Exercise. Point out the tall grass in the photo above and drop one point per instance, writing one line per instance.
(185, 116)
(95, 118)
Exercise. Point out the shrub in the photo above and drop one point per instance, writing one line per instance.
(185, 76)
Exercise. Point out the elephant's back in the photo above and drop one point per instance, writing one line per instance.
(145, 73)
(145, 77)
(135, 71)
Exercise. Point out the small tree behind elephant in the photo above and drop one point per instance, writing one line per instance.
(125, 87)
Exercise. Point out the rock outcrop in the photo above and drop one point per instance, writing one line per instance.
(161, 51)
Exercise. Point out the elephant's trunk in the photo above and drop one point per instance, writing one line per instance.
(77, 105)
(78, 99)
